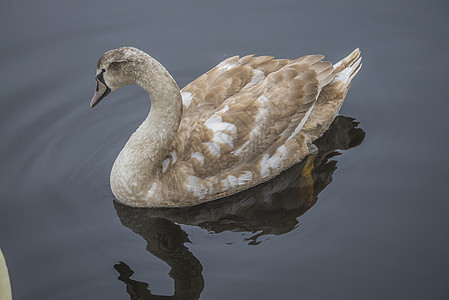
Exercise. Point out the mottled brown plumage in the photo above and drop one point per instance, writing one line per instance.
(242, 123)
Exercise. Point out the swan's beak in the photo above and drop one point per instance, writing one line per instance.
(101, 91)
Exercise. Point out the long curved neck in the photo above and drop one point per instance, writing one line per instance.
(156, 134)
(142, 155)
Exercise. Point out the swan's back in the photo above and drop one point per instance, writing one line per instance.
(247, 120)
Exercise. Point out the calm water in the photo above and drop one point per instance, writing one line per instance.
(371, 223)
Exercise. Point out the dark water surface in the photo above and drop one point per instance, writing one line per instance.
(371, 223)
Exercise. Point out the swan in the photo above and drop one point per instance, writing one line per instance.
(5, 284)
(238, 125)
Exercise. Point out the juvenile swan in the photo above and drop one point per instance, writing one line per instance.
(238, 125)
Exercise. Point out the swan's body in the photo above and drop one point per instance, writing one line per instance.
(238, 125)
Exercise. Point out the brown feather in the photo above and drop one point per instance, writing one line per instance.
(265, 114)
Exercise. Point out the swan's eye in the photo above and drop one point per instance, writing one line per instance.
(101, 78)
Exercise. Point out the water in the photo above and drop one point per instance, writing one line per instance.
(370, 223)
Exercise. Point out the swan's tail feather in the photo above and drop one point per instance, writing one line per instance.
(332, 96)
(347, 68)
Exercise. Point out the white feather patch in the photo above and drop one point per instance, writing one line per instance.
(337, 64)
(174, 157)
(345, 76)
(225, 184)
(186, 98)
(198, 156)
(165, 165)
(211, 188)
(267, 164)
(226, 65)
(258, 76)
(224, 109)
(245, 177)
(223, 132)
(215, 123)
(282, 150)
(264, 167)
(233, 181)
(152, 190)
(221, 137)
(263, 99)
(214, 148)
(197, 189)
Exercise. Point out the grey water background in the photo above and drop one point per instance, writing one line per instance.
(379, 230)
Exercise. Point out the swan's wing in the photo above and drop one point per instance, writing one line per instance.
(203, 96)
(245, 121)
(261, 117)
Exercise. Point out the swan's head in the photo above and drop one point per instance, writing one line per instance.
(116, 68)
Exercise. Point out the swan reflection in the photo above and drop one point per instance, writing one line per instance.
(270, 208)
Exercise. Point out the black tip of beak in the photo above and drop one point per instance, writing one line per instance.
(101, 91)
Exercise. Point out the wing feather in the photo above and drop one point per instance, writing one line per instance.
(247, 107)
(249, 118)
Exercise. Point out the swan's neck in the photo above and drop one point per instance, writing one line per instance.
(142, 156)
